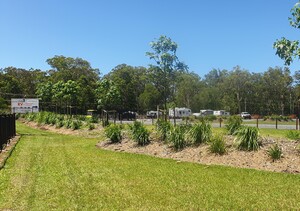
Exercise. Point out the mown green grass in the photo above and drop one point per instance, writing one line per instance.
(48, 171)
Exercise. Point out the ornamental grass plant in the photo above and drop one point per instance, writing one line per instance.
(200, 133)
(217, 145)
(113, 133)
(275, 152)
(177, 137)
(233, 124)
(139, 133)
(247, 138)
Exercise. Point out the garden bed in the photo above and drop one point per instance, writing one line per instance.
(289, 163)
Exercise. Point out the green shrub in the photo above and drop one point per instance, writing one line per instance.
(163, 128)
(52, 119)
(293, 134)
(67, 123)
(59, 123)
(30, 116)
(113, 132)
(139, 133)
(200, 132)
(275, 152)
(278, 117)
(217, 145)
(233, 124)
(177, 137)
(247, 138)
(75, 124)
(40, 117)
(91, 126)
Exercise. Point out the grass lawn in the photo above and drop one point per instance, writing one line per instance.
(50, 171)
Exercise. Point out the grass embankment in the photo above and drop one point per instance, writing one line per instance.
(51, 171)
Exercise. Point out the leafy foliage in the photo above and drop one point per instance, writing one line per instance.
(113, 132)
(167, 64)
(247, 138)
(163, 128)
(275, 152)
(200, 133)
(233, 124)
(287, 49)
(76, 124)
(177, 137)
(140, 133)
(293, 134)
(217, 145)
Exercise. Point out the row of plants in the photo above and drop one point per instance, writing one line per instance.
(74, 122)
(179, 136)
(278, 117)
(183, 135)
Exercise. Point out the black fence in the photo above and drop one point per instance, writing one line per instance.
(7, 129)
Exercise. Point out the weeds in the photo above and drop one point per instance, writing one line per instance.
(293, 134)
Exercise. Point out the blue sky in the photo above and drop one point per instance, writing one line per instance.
(210, 34)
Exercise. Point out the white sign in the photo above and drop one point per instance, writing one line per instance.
(24, 105)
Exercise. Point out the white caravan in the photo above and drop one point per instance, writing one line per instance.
(179, 112)
(221, 113)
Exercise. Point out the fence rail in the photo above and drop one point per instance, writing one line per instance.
(7, 129)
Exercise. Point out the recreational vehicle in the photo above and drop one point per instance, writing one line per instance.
(179, 112)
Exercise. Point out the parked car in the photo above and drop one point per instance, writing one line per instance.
(128, 115)
(153, 114)
(245, 115)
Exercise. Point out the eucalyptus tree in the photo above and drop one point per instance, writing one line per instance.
(80, 71)
(212, 93)
(236, 89)
(27, 79)
(149, 98)
(287, 49)
(188, 86)
(277, 86)
(68, 68)
(166, 65)
(130, 82)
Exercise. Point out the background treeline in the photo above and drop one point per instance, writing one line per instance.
(73, 86)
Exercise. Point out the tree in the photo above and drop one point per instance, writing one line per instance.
(277, 84)
(188, 86)
(44, 91)
(237, 86)
(149, 98)
(130, 81)
(27, 79)
(287, 49)
(68, 68)
(166, 65)
(108, 95)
